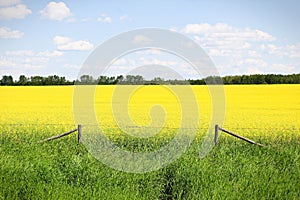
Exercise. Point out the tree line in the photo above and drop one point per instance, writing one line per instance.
(35, 80)
(139, 80)
(250, 79)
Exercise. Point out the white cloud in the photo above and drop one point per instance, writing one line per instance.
(150, 51)
(174, 29)
(18, 11)
(206, 28)
(141, 39)
(65, 43)
(50, 53)
(20, 53)
(27, 59)
(218, 52)
(255, 62)
(125, 17)
(4, 62)
(272, 48)
(104, 18)
(155, 61)
(6, 32)
(221, 30)
(120, 61)
(225, 40)
(237, 50)
(262, 47)
(70, 66)
(254, 54)
(246, 45)
(9, 2)
(283, 68)
(30, 53)
(253, 70)
(58, 40)
(291, 51)
(56, 11)
(88, 19)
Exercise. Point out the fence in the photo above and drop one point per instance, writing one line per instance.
(79, 136)
(217, 129)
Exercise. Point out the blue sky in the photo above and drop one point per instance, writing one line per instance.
(241, 37)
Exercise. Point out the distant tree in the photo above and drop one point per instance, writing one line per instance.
(37, 80)
(129, 79)
(245, 79)
(7, 80)
(103, 80)
(138, 79)
(112, 80)
(53, 80)
(63, 81)
(236, 80)
(87, 79)
(213, 80)
(196, 82)
(23, 80)
(258, 79)
(119, 79)
(158, 80)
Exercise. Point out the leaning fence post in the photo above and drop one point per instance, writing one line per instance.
(57, 136)
(240, 137)
(216, 134)
(79, 133)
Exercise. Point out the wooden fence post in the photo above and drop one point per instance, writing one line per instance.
(216, 134)
(79, 133)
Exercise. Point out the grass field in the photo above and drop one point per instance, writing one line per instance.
(63, 169)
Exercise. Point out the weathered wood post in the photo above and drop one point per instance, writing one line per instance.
(79, 133)
(216, 134)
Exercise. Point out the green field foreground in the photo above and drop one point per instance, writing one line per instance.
(63, 169)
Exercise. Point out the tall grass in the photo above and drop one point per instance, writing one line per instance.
(63, 169)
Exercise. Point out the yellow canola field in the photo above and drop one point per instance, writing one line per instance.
(269, 108)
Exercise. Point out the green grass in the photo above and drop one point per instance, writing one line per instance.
(63, 169)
